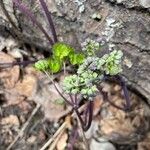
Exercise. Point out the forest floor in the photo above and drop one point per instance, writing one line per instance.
(32, 112)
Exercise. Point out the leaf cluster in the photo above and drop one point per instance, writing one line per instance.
(61, 53)
(89, 47)
(91, 72)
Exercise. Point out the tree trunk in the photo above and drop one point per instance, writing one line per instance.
(119, 24)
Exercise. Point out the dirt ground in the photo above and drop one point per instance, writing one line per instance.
(32, 112)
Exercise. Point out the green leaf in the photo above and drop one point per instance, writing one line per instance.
(59, 101)
(62, 50)
(76, 59)
(42, 65)
(83, 91)
(55, 65)
(74, 91)
(90, 92)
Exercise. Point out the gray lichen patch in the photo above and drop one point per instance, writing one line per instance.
(133, 3)
(145, 3)
(110, 26)
(81, 5)
(127, 62)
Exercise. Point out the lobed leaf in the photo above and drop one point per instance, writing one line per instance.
(76, 59)
(62, 50)
(55, 65)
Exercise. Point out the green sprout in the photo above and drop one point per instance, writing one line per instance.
(90, 71)
(61, 53)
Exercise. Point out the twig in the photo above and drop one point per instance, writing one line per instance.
(53, 145)
(64, 66)
(82, 132)
(51, 79)
(24, 127)
(60, 130)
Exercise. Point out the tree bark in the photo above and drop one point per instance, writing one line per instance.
(121, 24)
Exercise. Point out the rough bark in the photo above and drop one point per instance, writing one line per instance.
(122, 25)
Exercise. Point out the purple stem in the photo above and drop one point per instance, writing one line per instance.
(124, 88)
(71, 98)
(79, 116)
(86, 125)
(25, 10)
(125, 91)
(73, 138)
(105, 97)
(24, 63)
(49, 18)
(86, 114)
(62, 95)
(90, 116)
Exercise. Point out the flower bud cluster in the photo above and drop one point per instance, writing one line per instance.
(91, 72)
(82, 83)
(90, 63)
(108, 64)
(90, 47)
(112, 64)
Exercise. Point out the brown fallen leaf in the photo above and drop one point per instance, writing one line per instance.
(27, 87)
(48, 97)
(10, 120)
(123, 127)
(62, 143)
(32, 139)
(98, 101)
(145, 144)
(12, 98)
(8, 76)
(25, 106)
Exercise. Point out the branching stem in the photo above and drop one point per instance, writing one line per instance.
(26, 11)
(49, 18)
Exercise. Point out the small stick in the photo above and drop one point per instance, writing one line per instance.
(24, 127)
(53, 145)
(64, 67)
(51, 79)
(83, 135)
(60, 130)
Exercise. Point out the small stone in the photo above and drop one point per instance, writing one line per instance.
(117, 88)
(127, 62)
(96, 16)
(31, 139)
(119, 1)
(110, 21)
(102, 145)
(11, 120)
(145, 3)
(81, 8)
